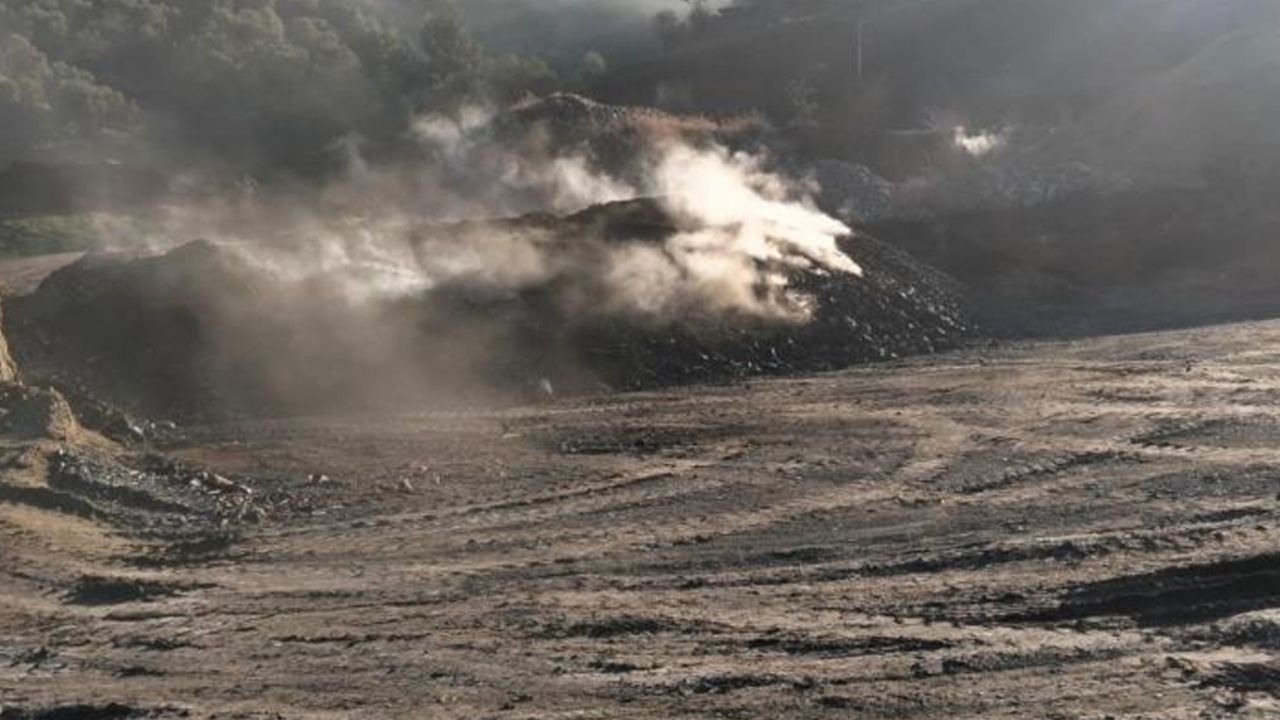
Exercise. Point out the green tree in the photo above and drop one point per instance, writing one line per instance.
(43, 102)
(453, 57)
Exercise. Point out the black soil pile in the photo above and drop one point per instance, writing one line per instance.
(197, 331)
(1088, 264)
(900, 307)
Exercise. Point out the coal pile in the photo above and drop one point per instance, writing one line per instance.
(612, 136)
(199, 331)
(853, 191)
(900, 307)
(134, 330)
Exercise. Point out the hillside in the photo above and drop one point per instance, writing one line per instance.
(1097, 73)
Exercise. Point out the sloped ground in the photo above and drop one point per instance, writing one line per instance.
(1071, 530)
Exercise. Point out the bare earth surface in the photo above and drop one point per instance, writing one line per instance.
(1077, 530)
(19, 276)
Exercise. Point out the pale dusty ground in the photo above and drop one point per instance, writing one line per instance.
(1081, 530)
(19, 276)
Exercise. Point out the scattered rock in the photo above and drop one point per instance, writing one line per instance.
(35, 413)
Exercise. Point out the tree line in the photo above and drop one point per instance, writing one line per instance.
(262, 85)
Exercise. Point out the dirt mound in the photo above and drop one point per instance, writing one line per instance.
(130, 328)
(34, 413)
(200, 330)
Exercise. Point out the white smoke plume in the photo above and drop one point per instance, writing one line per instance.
(739, 229)
(397, 284)
(741, 233)
(358, 272)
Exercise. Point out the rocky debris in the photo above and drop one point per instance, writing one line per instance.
(70, 471)
(216, 483)
(179, 472)
(884, 316)
(154, 494)
(29, 413)
(110, 420)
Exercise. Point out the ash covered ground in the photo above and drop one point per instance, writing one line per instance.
(579, 410)
(1082, 529)
(1076, 529)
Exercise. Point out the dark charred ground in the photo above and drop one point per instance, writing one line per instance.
(1072, 530)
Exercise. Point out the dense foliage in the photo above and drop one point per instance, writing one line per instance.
(260, 84)
(290, 86)
(1175, 89)
(986, 59)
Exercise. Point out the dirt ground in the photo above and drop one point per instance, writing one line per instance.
(1060, 530)
(19, 276)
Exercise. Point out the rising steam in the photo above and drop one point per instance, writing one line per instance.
(739, 231)
(397, 282)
